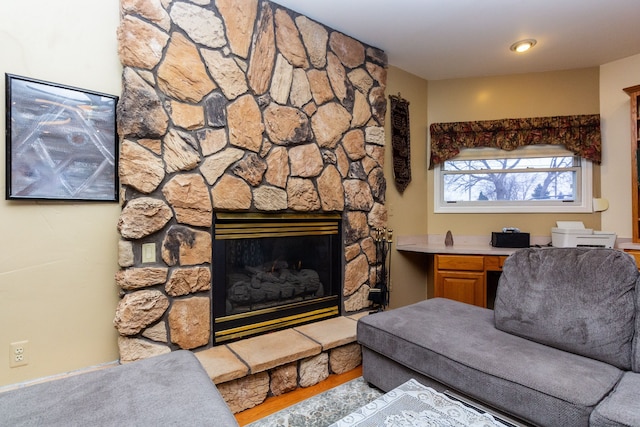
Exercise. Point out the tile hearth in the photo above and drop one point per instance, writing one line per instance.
(248, 371)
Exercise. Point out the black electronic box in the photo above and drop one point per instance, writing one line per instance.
(510, 240)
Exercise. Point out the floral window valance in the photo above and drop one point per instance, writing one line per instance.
(579, 134)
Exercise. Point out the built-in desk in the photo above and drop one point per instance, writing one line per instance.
(468, 271)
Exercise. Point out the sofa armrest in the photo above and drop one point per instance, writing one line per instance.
(171, 389)
(621, 407)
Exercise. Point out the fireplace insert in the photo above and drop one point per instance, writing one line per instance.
(272, 271)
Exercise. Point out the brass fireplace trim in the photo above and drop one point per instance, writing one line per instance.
(276, 216)
(258, 312)
(270, 325)
(256, 225)
(234, 225)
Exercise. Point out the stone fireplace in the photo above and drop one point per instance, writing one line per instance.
(244, 107)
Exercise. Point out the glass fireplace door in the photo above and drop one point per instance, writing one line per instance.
(273, 271)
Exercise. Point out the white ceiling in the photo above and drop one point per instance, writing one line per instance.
(442, 39)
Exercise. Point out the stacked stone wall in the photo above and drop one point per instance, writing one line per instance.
(236, 105)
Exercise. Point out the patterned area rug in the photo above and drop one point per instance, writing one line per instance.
(414, 405)
(325, 408)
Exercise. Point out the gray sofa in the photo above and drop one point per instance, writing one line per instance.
(561, 348)
(168, 390)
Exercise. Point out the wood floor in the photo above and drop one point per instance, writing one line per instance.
(276, 403)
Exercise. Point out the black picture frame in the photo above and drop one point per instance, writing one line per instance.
(61, 142)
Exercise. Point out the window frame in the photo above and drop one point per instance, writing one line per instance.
(584, 188)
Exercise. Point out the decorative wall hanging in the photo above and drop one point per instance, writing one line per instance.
(400, 146)
(61, 142)
(579, 134)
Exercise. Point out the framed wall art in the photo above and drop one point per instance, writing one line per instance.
(62, 142)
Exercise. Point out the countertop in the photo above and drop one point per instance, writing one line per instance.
(475, 245)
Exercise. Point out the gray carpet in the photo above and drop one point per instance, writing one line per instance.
(324, 408)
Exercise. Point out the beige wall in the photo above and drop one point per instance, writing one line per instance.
(58, 259)
(408, 211)
(483, 98)
(616, 148)
(527, 95)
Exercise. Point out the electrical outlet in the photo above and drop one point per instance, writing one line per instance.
(19, 354)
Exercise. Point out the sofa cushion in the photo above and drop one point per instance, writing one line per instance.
(457, 344)
(620, 408)
(576, 299)
(167, 390)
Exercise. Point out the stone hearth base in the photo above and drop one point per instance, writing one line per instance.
(248, 371)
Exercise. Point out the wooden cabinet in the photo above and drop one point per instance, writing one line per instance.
(634, 94)
(463, 286)
(464, 277)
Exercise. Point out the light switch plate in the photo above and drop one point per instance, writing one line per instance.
(148, 252)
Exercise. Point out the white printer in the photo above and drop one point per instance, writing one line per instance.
(571, 234)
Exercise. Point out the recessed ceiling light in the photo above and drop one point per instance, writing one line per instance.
(523, 45)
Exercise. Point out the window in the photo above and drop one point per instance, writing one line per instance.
(530, 179)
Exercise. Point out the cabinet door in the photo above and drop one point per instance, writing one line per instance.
(463, 286)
